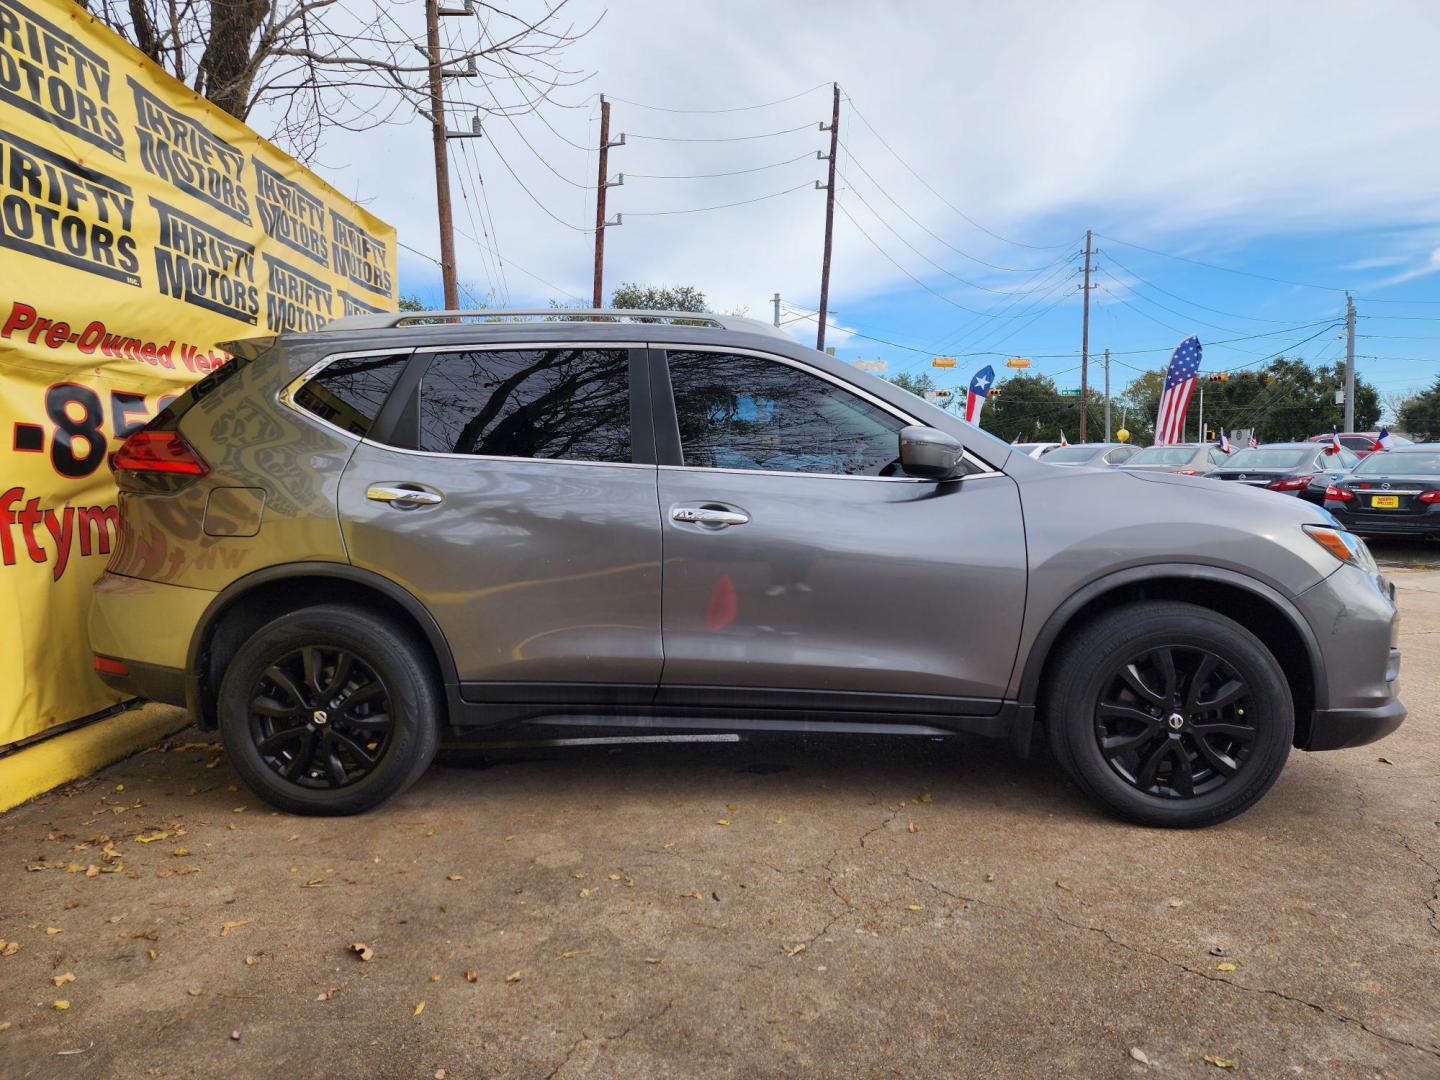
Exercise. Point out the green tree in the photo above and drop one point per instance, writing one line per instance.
(916, 384)
(635, 296)
(1030, 408)
(1420, 416)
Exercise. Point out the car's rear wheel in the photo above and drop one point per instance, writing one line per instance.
(1170, 714)
(329, 710)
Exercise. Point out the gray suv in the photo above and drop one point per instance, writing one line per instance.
(343, 544)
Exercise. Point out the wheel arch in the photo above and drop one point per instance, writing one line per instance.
(249, 602)
(1257, 606)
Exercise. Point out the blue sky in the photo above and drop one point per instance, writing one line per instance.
(1291, 140)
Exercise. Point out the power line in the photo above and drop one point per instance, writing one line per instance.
(909, 168)
(707, 176)
(1183, 300)
(736, 109)
(1217, 266)
(720, 139)
(549, 213)
(718, 206)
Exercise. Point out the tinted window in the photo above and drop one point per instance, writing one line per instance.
(1123, 453)
(1163, 455)
(572, 404)
(1070, 455)
(1410, 463)
(1268, 458)
(349, 392)
(741, 412)
(1356, 442)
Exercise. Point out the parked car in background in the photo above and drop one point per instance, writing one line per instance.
(1034, 449)
(1362, 442)
(1188, 459)
(1391, 494)
(1103, 453)
(1298, 468)
(426, 526)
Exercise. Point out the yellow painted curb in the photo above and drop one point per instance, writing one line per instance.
(52, 762)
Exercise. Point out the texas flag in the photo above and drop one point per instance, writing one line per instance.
(1223, 443)
(980, 385)
(1384, 441)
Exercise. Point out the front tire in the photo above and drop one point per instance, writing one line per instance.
(329, 710)
(1170, 714)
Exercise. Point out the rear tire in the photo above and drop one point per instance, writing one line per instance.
(1169, 714)
(329, 710)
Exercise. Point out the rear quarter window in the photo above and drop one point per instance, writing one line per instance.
(350, 391)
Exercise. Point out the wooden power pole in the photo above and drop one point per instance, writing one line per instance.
(598, 300)
(442, 156)
(829, 218)
(1085, 343)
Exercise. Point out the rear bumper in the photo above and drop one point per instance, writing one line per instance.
(149, 681)
(1337, 729)
(147, 625)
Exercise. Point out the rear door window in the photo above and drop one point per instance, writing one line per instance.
(350, 391)
(570, 404)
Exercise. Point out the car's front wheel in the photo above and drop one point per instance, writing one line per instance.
(1170, 714)
(329, 710)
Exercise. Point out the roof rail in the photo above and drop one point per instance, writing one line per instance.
(386, 320)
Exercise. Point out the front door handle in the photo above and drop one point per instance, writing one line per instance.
(403, 496)
(717, 519)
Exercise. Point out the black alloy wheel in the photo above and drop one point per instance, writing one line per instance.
(320, 717)
(1175, 721)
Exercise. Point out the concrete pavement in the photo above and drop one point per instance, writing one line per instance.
(831, 907)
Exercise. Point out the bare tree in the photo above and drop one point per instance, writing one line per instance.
(306, 65)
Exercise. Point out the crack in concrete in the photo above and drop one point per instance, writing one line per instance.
(1344, 1018)
(1432, 905)
(584, 1038)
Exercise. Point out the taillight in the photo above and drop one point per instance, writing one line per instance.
(158, 451)
(1339, 494)
(1430, 496)
(108, 665)
(1295, 483)
(1189, 472)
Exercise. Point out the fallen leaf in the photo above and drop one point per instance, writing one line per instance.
(513, 977)
(1175, 903)
(9, 948)
(578, 875)
(570, 954)
(4, 1025)
(235, 1036)
(439, 1074)
(780, 820)
(151, 838)
(213, 762)
(60, 1005)
(1220, 1062)
(251, 961)
(193, 991)
(585, 893)
(180, 852)
(456, 877)
(233, 924)
(54, 930)
(119, 787)
(418, 1009)
(61, 980)
(434, 978)
(722, 821)
(314, 883)
(471, 975)
(914, 907)
(989, 877)
(509, 838)
(615, 877)
(362, 950)
(912, 828)
(111, 852)
(1063, 885)
(732, 806)
(1385, 761)
(794, 950)
(925, 798)
(152, 954)
(1139, 1055)
(1227, 966)
(692, 895)
(654, 959)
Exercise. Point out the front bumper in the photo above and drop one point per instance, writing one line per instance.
(1338, 729)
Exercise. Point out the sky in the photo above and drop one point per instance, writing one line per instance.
(1240, 166)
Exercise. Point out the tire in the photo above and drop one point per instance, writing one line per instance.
(1111, 711)
(313, 733)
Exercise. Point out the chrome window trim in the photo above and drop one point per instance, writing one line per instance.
(984, 467)
(287, 398)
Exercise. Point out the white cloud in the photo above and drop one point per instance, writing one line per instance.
(1223, 121)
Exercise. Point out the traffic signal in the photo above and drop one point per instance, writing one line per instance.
(996, 391)
(1219, 376)
(1210, 435)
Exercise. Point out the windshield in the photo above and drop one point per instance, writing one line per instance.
(1279, 457)
(1074, 455)
(1163, 455)
(1411, 463)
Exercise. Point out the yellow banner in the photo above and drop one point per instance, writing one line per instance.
(139, 228)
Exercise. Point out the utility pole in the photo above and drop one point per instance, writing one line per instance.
(1107, 395)
(1201, 436)
(1085, 343)
(776, 302)
(829, 186)
(1349, 363)
(598, 300)
(442, 156)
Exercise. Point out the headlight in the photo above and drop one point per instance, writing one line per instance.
(1345, 546)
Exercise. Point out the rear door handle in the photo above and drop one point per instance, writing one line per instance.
(717, 519)
(403, 496)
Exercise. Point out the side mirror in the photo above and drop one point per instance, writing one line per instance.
(930, 454)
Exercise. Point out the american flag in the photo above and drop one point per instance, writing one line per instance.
(1175, 398)
(979, 389)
